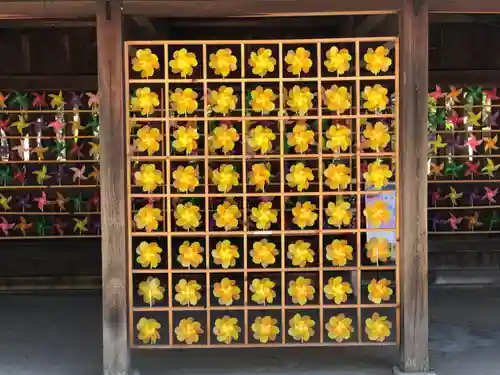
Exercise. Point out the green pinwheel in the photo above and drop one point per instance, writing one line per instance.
(436, 119)
(474, 95)
(5, 176)
(58, 148)
(93, 125)
(493, 220)
(453, 169)
(77, 202)
(20, 100)
(40, 226)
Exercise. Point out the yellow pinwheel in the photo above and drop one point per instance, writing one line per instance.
(473, 119)
(80, 225)
(57, 100)
(20, 124)
(490, 168)
(41, 175)
(437, 143)
(454, 195)
(4, 202)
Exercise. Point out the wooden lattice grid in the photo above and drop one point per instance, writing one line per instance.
(168, 312)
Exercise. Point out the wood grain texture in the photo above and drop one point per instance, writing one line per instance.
(110, 45)
(413, 214)
(29, 9)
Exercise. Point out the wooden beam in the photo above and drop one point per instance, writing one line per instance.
(245, 8)
(146, 24)
(485, 78)
(369, 23)
(114, 255)
(45, 24)
(464, 6)
(413, 189)
(33, 82)
(30, 9)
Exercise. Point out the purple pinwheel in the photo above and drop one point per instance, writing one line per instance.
(76, 100)
(491, 120)
(435, 222)
(59, 174)
(95, 224)
(454, 144)
(24, 202)
(473, 196)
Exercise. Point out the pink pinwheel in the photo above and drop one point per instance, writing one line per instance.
(78, 173)
(438, 93)
(93, 99)
(490, 195)
(491, 94)
(472, 168)
(4, 125)
(56, 125)
(42, 201)
(5, 226)
(436, 196)
(472, 142)
(454, 221)
(39, 100)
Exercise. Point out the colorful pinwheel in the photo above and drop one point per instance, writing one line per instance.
(5, 226)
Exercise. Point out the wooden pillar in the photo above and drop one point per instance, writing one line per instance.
(113, 216)
(413, 150)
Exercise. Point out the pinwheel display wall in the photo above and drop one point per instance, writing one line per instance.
(262, 185)
(49, 165)
(463, 160)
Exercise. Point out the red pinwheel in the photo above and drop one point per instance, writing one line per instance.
(76, 150)
(471, 168)
(59, 226)
(436, 196)
(438, 93)
(455, 119)
(491, 94)
(20, 175)
(4, 125)
(39, 100)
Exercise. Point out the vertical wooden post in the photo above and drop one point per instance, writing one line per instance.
(413, 145)
(113, 216)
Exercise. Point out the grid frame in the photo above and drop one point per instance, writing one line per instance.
(169, 159)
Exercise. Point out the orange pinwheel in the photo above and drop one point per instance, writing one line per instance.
(452, 97)
(490, 143)
(435, 169)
